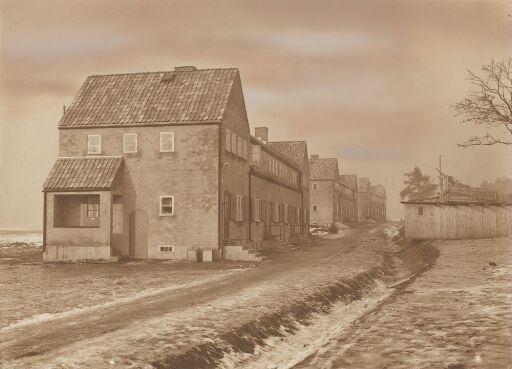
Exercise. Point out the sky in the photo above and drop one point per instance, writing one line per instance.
(368, 82)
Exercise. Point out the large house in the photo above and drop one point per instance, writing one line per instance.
(154, 165)
(331, 199)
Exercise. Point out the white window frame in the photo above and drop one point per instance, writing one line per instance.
(239, 208)
(89, 151)
(257, 215)
(163, 134)
(125, 136)
(228, 140)
(173, 206)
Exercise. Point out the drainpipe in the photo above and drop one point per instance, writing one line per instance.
(249, 235)
(220, 198)
(301, 175)
(44, 221)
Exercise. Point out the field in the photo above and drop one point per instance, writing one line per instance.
(364, 299)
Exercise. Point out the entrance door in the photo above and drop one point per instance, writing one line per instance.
(138, 234)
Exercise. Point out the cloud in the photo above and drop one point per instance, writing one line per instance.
(324, 43)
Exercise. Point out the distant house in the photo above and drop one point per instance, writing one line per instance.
(331, 199)
(371, 201)
(279, 188)
(458, 212)
(153, 165)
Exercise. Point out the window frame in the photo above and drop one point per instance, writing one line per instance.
(234, 143)
(125, 135)
(93, 207)
(420, 211)
(227, 144)
(275, 212)
(167, 133)
(239, 216)
(244, 150)
(257, 215)
(173, 206)
(240, 147)
(166, 248)
(89, 137)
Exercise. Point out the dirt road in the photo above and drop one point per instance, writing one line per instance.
(148, 327)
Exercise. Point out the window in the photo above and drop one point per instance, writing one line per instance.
(228, 140)
(239, 207)
(420, 210)
(315, 186)
(256, 154)
(244, 152)
(315, 207)
(240, 148)
(76, 211)
(166, 206)
(130, 143)
(285, 213)
(257, 215)
(167, 248)
(93, 207)
(94, 144)
(234, 141)
(275, 212)
(166, 141)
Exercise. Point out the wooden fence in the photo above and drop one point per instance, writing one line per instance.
(443, 221)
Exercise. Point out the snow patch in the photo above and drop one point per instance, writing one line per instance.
(79, 310)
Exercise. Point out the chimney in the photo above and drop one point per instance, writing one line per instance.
(261, 134)
(314, 156)
(185, 68)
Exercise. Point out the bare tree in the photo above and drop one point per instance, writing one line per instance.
(489, 104)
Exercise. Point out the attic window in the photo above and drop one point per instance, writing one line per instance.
(166, 141)
(94, 144)
(130, 143)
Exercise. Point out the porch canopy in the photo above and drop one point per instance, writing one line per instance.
(83, 174)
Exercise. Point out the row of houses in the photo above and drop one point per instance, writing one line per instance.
(159, 165)
(343, 198)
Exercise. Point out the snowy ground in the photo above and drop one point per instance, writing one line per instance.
(74, 315)
(35, 291)
(457, 315)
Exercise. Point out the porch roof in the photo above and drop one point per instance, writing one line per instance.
(83, 173)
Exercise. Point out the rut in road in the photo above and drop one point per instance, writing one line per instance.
(247, 337)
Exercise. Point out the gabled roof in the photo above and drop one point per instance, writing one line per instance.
(83, 173)
(296, 151)
(323, 168)
(151, 98)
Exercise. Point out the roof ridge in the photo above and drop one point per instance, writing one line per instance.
(157, 72)
(292, 141)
